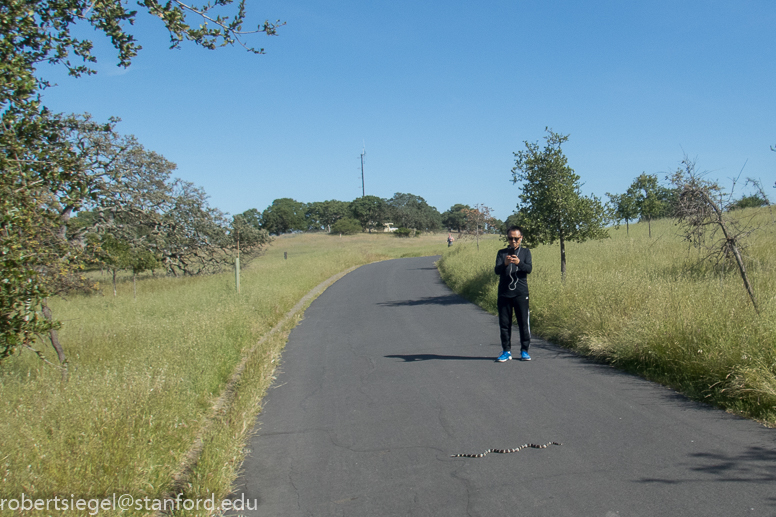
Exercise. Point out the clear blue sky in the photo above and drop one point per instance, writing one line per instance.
(443, 92)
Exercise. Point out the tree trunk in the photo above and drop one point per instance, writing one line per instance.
(114, 282)
(733, 246)
(53, 336)
(649, 225)
(744, 277)
(562, 257)
(64, 218)
(627, 229)
(134, 285)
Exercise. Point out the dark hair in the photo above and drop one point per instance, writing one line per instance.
(515, 228)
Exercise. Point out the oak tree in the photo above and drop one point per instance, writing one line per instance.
(370, 211)
(284, 215)
(321, 215)
(455, 218)
(44, 176)
(413, 212)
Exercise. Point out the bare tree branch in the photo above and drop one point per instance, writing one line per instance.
(702, 217)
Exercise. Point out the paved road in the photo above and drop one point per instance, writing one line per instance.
(390, 373)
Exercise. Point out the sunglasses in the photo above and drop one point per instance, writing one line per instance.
(514, 238)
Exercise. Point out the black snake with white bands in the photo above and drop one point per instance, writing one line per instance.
(506, 451)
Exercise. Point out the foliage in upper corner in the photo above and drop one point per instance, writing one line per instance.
(226, 31)
(45, 175)
(35, 31)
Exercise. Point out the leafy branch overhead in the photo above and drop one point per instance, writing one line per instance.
(226, 31)
(37, 31)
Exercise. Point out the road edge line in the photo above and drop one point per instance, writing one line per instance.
(190, 459)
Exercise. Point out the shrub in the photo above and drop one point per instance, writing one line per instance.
(346, 226)
(754, 201)
(406, 232)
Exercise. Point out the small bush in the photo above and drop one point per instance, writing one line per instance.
(754, 201)
(346, 226)
(406, 232)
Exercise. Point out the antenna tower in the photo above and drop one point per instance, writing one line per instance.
(363, 152)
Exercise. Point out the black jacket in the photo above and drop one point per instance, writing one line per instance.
(513, 280)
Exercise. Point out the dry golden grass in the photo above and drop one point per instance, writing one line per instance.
(145, 373)
(648, 305)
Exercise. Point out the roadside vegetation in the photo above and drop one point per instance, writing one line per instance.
(145, 372)
(652, 306)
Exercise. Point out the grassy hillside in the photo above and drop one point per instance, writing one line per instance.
(144, 374)
(647, 305)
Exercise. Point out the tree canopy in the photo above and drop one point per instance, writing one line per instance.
(648, 197)
(551, 207)
(346, 226)
(321, 215)
(411, 211)
(370, 211)
(47, 174)
(623, 208)
(455, 217)
(478, 219)
(284, 215)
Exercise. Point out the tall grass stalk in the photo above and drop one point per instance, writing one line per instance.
(144, 374)
(652, 307)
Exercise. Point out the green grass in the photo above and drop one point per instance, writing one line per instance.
(646, 305)
(145, 373)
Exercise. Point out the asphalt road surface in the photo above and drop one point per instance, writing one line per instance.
(390, 373)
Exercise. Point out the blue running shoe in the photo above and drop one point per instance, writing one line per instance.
(506, 356)
(524, 356)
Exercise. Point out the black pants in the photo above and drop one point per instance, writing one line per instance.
(518, 305)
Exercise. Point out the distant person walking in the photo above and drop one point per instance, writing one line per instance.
(513, 264)
(449, 239)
